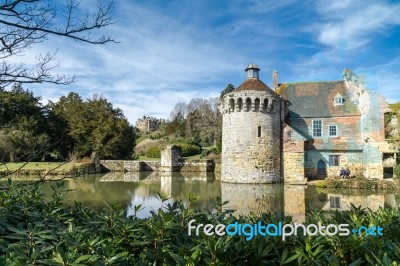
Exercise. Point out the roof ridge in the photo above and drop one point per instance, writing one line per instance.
(315, 82)
(253, 84)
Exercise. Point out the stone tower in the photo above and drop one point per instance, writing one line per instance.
(252, 116)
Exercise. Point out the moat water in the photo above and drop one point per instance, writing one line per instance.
(131, 189)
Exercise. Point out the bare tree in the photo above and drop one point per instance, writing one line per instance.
(24, 23)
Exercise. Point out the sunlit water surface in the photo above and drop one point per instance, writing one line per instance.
(130, 189)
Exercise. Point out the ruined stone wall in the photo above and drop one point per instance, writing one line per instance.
(170, 159)
(372, 107)
(139, 166)
(198, 166)
(251, 137)
(112, 165)
(129, 166)
(371, 104)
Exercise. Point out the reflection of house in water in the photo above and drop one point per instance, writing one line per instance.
(336, 201)
(342, 202)
(296, 201)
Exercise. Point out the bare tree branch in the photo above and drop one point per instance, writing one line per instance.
(24, 23)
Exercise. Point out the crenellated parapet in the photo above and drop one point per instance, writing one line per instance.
(249, 102)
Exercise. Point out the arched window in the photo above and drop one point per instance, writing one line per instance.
(259, 131)
(248, 104)
(231, 105)
(257, 104)
(272, 105)
(265, 104)
(240, 104)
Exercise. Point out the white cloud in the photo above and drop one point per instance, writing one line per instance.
(355, 22)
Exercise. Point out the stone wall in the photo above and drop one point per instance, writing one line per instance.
(138, 166)
(129, 166)
(198, 166)
(112, 165)
(293, 166)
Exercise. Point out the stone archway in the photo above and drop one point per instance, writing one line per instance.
(321, 168)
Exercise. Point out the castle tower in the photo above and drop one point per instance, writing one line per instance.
(252, 115)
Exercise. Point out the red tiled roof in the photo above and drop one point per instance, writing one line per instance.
(252, 84)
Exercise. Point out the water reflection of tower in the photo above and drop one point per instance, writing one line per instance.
(251, 132)
(252, 198)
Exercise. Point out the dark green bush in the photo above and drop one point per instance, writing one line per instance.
(189, 149)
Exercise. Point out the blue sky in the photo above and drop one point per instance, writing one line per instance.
(173, 51)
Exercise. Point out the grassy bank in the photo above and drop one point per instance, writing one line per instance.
(40, 168)
(35, 231)
(357, 183)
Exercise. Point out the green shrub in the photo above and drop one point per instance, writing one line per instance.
(188, 149)
(209, 151)
(396, 171)
(145, 145)
(204, 153)
(154, 152)
(321, 184)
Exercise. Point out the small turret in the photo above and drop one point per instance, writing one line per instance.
(252, 71)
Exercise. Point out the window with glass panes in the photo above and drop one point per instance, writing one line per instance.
(334, 160)
(333, 132)
(317, 128)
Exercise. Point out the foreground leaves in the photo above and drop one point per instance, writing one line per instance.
(36, 230)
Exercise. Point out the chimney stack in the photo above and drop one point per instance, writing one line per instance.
(275, 79)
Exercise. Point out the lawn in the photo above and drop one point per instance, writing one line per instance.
(58, 166)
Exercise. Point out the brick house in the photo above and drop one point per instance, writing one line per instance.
(329, 125)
